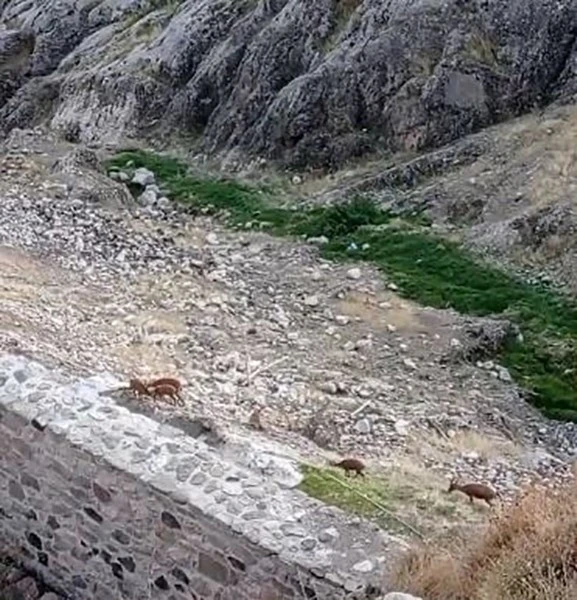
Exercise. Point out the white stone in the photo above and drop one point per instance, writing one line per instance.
(363, 426)
(503, 374)
(143, 177)
(312, 301)
(402, 427)
(321, 239)
(400, 596)
(153, 188)
(365, 566)
(147, 198)
(354, 273)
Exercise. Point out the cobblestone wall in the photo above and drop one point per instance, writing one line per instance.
(107, 504)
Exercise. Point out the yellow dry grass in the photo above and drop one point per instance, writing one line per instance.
(486, 446)
(527, 551)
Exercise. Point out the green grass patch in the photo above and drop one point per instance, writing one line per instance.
(428, 269)
(323, 484)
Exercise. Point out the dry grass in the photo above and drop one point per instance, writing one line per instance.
(527, 551)
(486, 446)
(482, 49)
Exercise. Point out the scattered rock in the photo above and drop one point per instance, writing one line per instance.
(363, 426)
(148, 197)
(366, 566)
(143, 177)
(402, 427)
(312, 301)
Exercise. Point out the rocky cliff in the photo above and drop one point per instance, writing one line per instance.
(305, 83)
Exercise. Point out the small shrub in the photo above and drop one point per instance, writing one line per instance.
(345, 8)
(482, 49)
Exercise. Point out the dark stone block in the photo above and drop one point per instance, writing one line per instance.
(15, 490)
(53, 523)
(43, 558)
(102, 494)
(309, 593)
(121, 537)
(180, 575)
(161, 583)
(79, 582)
(79, 494)
(20, 376)
(117, 570)
(128, 563)
(29, 481)
(93, 514)
(212, 568)
(236, 563)
(170, 520)
(37, 425)
(31, 514)
(34, 540)
(106, 556)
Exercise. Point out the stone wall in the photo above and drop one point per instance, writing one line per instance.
(105, 504)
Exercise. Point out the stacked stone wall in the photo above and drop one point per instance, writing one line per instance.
(107, 504)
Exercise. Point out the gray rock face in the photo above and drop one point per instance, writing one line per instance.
(305, 83)
(15, 50)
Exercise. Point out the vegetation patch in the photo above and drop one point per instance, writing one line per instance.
(526, 552)
(355, 494)
(169, 7)
(482, 49)
(428, 269)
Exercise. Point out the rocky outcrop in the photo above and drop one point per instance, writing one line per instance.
(87, 181)
(305, 83)
(15, 50)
